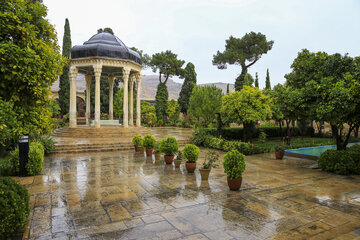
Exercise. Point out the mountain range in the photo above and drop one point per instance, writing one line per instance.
(148, 86)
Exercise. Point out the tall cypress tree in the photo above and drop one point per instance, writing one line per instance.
(227, 89)
(267, 83)
(187, 87)
(64, 88)
(256, 80)
(161, 99)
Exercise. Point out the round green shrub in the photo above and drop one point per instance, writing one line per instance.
(340, 162)
(234, 164)
(36, 159)
(149, 142)
(169, 146)
(191, 153)
(14, 207)
(137, 140)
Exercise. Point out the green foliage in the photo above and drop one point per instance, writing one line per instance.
(119, 102)
(145, 58)
(173, 111)
(169, 146)
(64, 84)
(280, 148)
(36, 159)
(338, 161)
(6, 167)
(149, 141)
(187, 87)
(267, 82)
(161, 99)
(167, 64)
(137, 140)
(14, 207)
(243, 80)
(46, 140)
(204, 103)
(256, 80)
(191, 153)
(234, 164)
(10, 128)
(245, 51)
(262, 136)
(29, 54)
(246, 106)
(160, 123)
(227, 88)
(104, 95)
(107, 29)
(211, 159)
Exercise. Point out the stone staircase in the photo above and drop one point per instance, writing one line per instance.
(106, 138)
(81, 121)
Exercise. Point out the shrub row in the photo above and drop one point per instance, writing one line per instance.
(10, 166)
(14, 207)
(341, 162)
(237, 133)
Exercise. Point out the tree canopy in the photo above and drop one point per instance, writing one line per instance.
(161, 99)
(107, 29)
(167, 64)
(267, 81)
(204, 103)
(245, 51)
(145, 58)
(187, 87)
(30, 62)
(173, 111)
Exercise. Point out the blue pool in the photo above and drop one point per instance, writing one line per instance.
(311, 152)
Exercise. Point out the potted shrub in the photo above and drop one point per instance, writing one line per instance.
(234, 166)
(169, 146)
(137, 141)
(149, 144)
(157, 151)
(191, 154)
(178, 159)
(279, 151)
(210, 162)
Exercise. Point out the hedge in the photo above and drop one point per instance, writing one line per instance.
(14, 207)
(342, 162)
(237, 133)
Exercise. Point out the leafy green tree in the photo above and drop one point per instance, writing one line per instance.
(227, 89)
(204, 103)
(167, 64)
(118, 103)
(267, 82)
(187, 87)
(328, 86)
(245, 51)
(256, 80)
(30, 62)
(148, 114)
(64, 85)
(108, 30)
(161, 99)
(246, 106)
(173, 111)
(241, 81)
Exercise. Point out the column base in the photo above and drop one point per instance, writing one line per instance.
(72, 124)
(97, 123)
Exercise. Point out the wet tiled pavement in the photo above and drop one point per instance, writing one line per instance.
(125, 195)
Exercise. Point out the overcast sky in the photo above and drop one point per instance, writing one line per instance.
(196, 29)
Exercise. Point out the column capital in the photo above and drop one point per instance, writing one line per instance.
(138, 77)
(126, 72)
(97, 69)
(88, 78)
(111, 79)
(132, 78)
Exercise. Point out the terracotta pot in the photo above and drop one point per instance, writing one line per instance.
(177, 163)
(169, 159)
(157, 156)
(149, 152)
(234, 184)
(204, 173)
(279, 155)
(137, 149)
(190, 167)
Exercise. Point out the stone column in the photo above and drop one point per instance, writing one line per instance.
(88, 96)
(72, 110)
(126, 73)
(138, 102)
(131, 104)
(111, 101)
(97, 70)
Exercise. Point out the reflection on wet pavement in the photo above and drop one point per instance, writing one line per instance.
(125, 195)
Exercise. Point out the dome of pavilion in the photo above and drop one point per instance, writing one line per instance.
(105, 45)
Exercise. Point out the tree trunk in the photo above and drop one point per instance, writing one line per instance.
(338, 138)
(248, 127)
(356, 131)
(280, 123)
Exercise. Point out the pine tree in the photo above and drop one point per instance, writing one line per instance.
(227, 89)
(256, 80)
(267, 83)
(187, 87)
(64, 85)
(161, 99)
